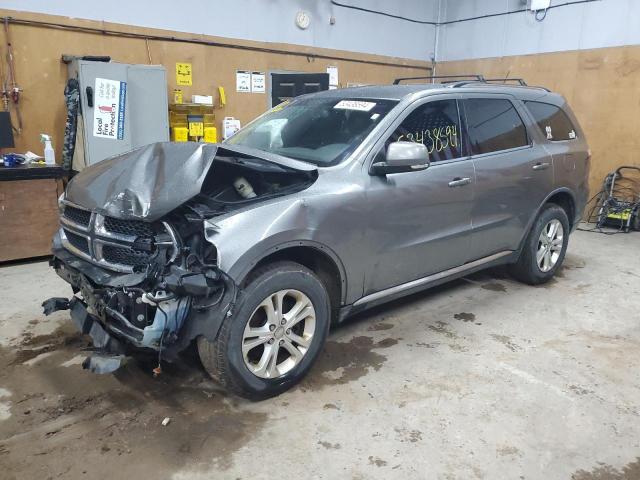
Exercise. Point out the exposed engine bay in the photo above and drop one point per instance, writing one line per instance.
(132, 244)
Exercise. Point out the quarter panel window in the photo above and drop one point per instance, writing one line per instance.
(552, 120)
(437, 126)
(494, 125)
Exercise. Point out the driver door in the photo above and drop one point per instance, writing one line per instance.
(420, 222)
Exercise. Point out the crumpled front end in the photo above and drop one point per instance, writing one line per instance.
(132, 243)
(137, 286)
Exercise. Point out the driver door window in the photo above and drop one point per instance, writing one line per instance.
(436, 125)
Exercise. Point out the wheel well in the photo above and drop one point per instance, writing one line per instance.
(319, 263)
(565, 201)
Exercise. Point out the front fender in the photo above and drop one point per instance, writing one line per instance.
(245, 239)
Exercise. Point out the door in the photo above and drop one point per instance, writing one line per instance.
(420, 222)
(285, 86)
(567, 147)
(104, 104)
(147, 95)
(513, 174)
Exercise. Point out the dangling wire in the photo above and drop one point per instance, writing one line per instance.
(544, 14)
(158, 370)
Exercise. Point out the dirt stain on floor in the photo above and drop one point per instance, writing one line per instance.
(572, 262)
(508, 450)
(442, 328)
(378, 462)
(631, 471)
(494, 287)
(380, 326)
(32, 345)
(343, 362)
(465, 316)
(548, 284)
(329, 445)
(408, 435)
(506, 341)
(70, 423)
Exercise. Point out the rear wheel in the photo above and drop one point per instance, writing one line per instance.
(545, 247)
(275, 335)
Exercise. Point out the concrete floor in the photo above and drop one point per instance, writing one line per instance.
(480, 378)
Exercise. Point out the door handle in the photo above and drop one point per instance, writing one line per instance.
(541, 166)
(459, 182)
(89, 91)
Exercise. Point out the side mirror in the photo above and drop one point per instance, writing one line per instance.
(402, 157)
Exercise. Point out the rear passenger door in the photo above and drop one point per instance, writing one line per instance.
(513, 174)
(567, 147)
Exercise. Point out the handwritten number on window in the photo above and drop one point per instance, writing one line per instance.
(436, 140)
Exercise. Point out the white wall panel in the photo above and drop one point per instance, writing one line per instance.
(605, 23)
(268, 20)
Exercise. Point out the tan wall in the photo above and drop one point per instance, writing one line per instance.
(602, 86)
(42, 75)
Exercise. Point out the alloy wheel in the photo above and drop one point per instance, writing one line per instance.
(550, 245)
(278, 334)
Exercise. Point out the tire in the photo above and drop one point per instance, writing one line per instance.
(528, 269)
(245, 374)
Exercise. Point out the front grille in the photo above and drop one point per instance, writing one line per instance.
(78, 241)
(77, 215)
(125, 256)
(107, 241)
(133, 228)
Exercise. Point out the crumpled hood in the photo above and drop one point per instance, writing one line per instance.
(149, 182)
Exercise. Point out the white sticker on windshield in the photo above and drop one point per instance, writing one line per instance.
(355, 105)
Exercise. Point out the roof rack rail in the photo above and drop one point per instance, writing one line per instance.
(519, 81)
(450, 78)
(488, 82)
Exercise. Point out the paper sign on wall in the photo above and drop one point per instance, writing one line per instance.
(540, 4)
(110, 98)
(333, 77)
(243, 81)
(183, 74)
(257, 82)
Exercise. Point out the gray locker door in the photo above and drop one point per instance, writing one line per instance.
(147, 97)
(99, 147)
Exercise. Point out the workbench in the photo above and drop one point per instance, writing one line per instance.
(28, 210)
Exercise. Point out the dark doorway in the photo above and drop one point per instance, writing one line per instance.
(288, 85)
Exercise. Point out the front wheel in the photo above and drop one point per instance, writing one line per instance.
(545, 247)
(275, 334)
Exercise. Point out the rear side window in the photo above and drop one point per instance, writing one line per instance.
(436, 125)
(552, 120)
(494, 125)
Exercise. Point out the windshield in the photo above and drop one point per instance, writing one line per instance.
(323, 131)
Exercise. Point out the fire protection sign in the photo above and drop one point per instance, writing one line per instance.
(109, 106)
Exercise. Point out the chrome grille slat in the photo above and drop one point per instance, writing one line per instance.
(104, 241)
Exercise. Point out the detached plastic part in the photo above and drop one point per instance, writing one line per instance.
(103, 362)
(55, 304)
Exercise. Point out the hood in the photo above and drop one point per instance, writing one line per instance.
(151, 181)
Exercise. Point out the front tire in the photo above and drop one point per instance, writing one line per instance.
(275, 334)
(545, 247)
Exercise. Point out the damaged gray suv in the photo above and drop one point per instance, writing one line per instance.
(322, 207)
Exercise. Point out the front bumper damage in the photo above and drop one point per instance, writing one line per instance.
(127, 314)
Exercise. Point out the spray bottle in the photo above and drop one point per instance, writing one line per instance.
(49, 153)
